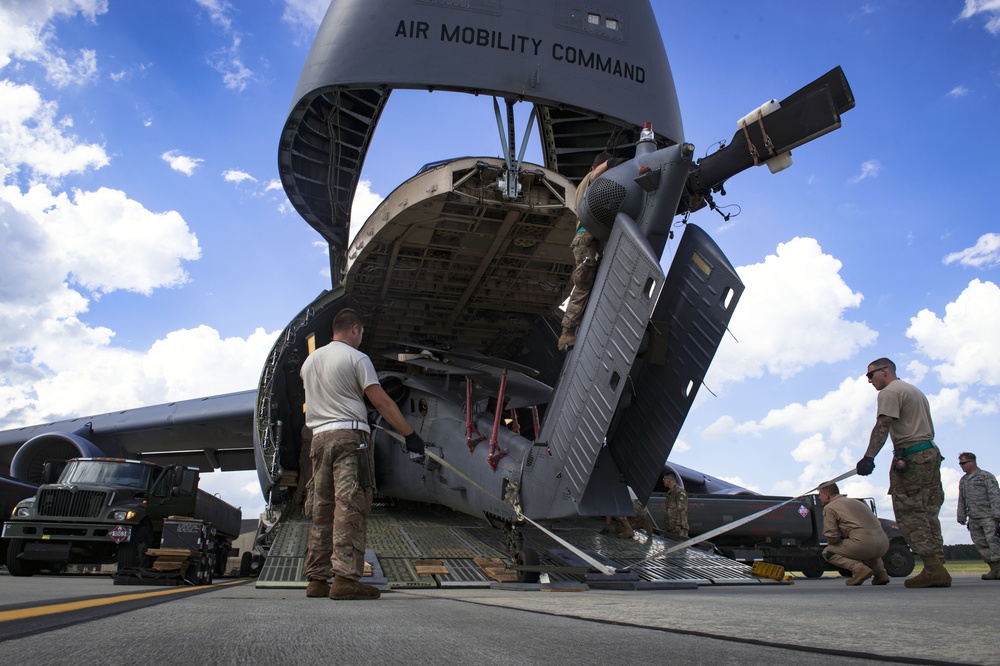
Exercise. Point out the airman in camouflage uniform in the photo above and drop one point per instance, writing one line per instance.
(915, 473)
(675, 511)
(337, 377)
(640, 521)
(979, 502)
(586, 250)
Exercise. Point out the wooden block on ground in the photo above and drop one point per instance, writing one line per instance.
(171, 552)
(169, 566)
(430, 567)
(495, 568)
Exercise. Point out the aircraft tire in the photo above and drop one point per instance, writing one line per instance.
(812, 573)
(256, 565)
(245, 560)
(17, 566)
(527, 557)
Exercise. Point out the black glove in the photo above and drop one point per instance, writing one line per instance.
(414, 443)
(866, 466)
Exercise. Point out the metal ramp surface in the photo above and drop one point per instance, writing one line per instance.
(398, 538)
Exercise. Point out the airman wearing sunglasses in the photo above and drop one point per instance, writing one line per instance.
(915, 473)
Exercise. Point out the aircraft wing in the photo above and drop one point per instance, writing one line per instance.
(208, 433)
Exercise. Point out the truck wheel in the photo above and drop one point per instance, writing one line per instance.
(898, 560)
(17, 566)
(812, 573)
(133, 553)
(221, 558)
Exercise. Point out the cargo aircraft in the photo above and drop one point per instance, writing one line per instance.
(461, 271)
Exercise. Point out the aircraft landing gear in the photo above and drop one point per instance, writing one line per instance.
(527, 557)
(522, 554)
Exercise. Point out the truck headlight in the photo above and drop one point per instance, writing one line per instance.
(123, 515)
(22, 511)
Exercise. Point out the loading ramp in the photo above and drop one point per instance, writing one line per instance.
(401, 541)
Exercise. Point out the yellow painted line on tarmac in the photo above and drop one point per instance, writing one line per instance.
(52, 609)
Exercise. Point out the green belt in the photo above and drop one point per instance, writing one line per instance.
(910, 450)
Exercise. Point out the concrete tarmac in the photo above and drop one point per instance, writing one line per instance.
(817, 621)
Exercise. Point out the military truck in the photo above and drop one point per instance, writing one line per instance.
(791, 536)
(111, 510)
(12, 491)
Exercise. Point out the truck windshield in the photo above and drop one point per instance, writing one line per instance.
(115, 473)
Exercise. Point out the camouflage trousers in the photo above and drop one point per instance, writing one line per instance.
(984, 534)
(640, 521)
(585, 248)
(340, 507)
(917, 496)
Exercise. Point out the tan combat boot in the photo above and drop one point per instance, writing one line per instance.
(566, 340)
(345, 589)
(861, 574)
(880, 578)
(647, 523)
(317, 588)
(994, 572)
(626, 531)
(933, 575)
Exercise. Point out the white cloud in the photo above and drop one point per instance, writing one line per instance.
(869, 169)
(364, 204)
(989, 8)
(110, 242)
(186, 165)
(273, 184)
(307, 14)
(32, 136)
(82, 375)
(964, 340)
(218, 12)
(790, 317)
(62, 73)
(229, 62)
(53, 364)
(916, 371)
(984, 254)
(738, 481)
(952, 405)
(237, 176)
(958, 91)
(25, 35)
(61, 251)
(845, 414)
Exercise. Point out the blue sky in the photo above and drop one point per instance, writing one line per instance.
(149, 254)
